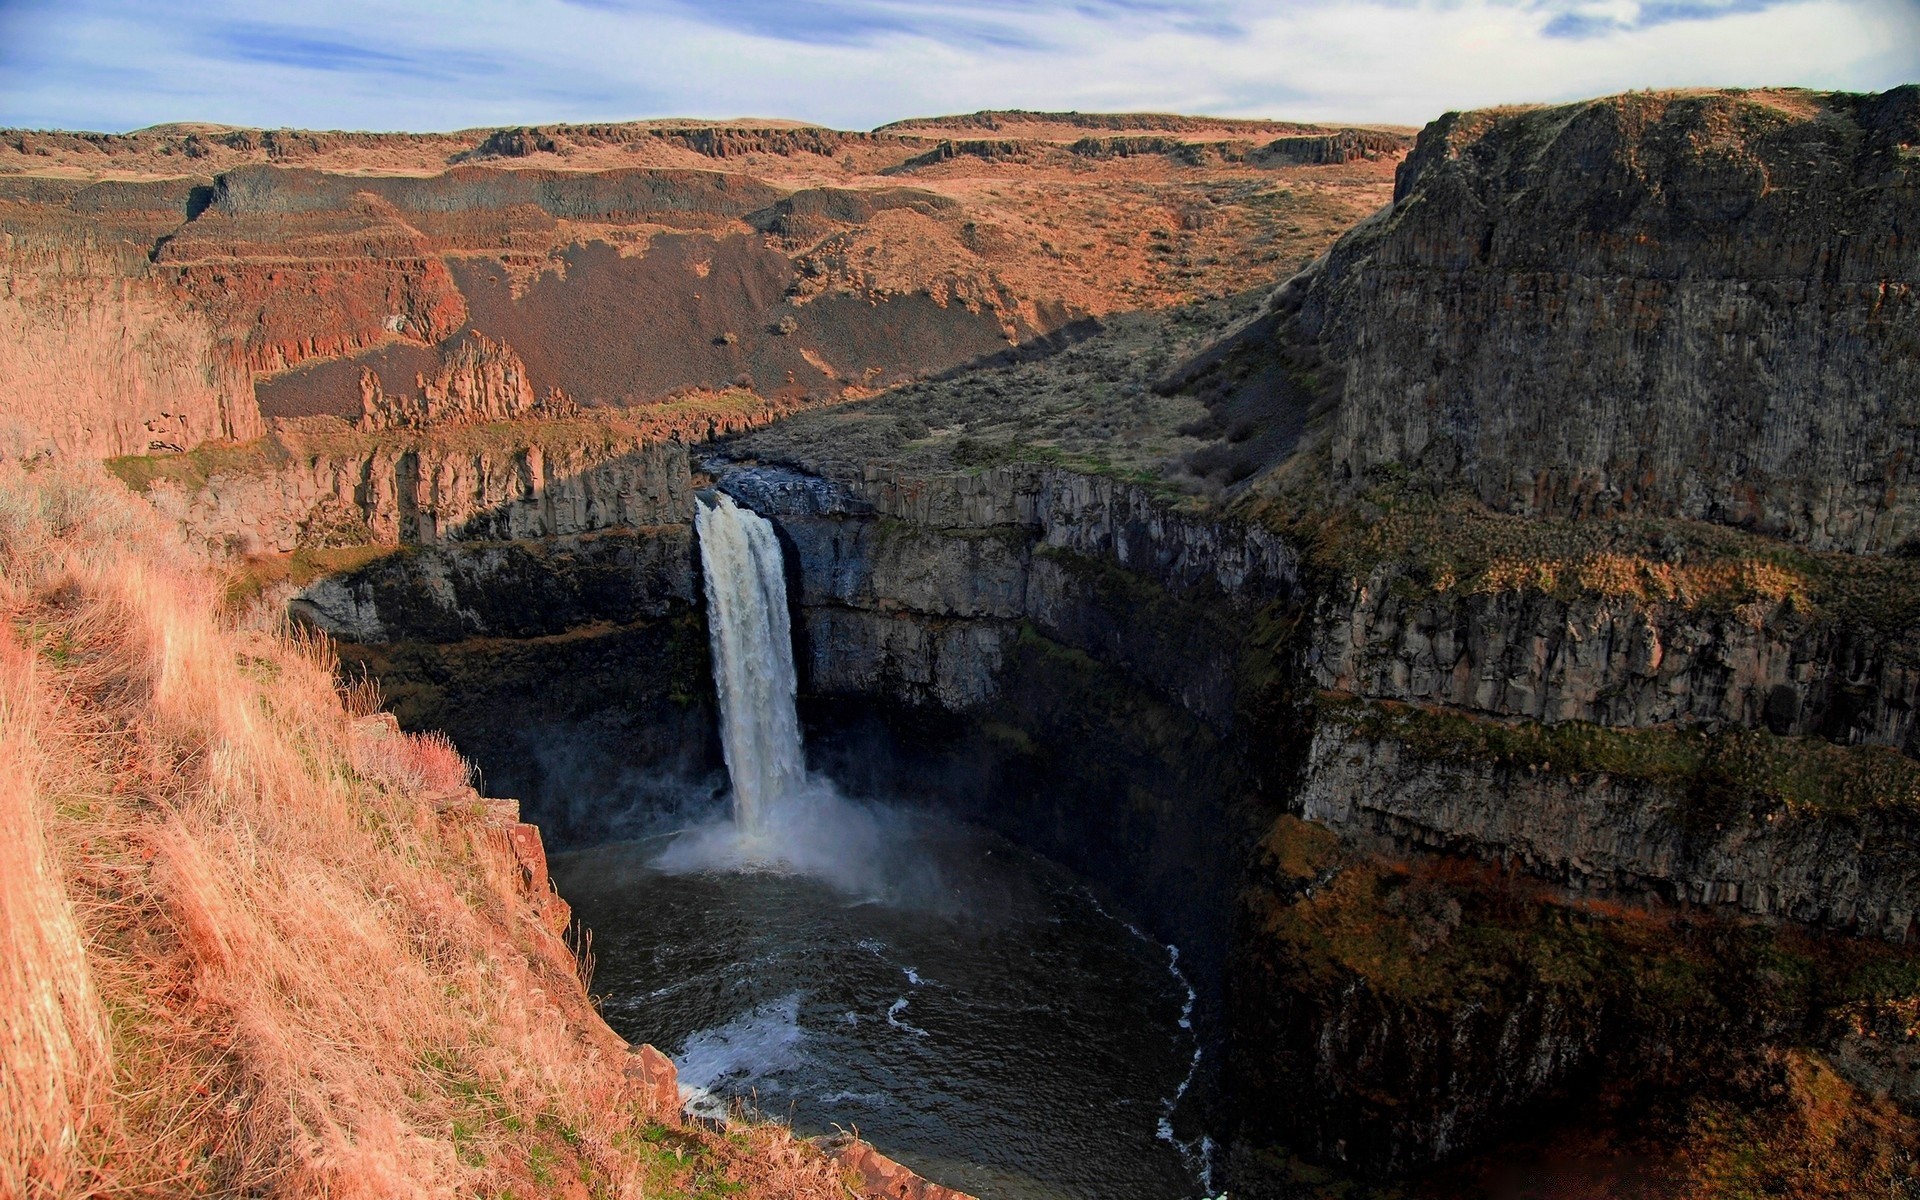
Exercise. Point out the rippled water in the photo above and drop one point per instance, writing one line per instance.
(987, 1022)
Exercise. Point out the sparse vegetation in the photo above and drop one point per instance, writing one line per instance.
(249, 952)
(1453, 544)
(1090, 407)
(190, 470)
(1738, 769)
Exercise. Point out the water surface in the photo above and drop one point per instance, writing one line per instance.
(978, 1016)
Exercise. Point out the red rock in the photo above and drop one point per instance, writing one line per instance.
(659, 1082)
(530, 855)
(881, 1178)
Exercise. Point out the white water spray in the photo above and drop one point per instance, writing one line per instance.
(752, 660)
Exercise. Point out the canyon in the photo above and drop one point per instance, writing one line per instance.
(1458, 588)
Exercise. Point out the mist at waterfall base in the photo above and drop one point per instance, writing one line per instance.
(970, 1008)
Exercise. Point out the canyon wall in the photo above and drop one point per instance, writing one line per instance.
(1148, 694)
(1608, 863)
(1052, 653)
(100, 357)
(294, 493)
(1620, 660)
(170, 288)
(1854, 868)
(1693, 304)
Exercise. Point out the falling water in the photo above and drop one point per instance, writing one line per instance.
(784, 820)
(752, 660)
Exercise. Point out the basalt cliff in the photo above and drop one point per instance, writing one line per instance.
(1491, 651)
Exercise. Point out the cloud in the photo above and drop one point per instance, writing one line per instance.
(987, 24)
(442, 64)
(1587, 20)
(310, 49)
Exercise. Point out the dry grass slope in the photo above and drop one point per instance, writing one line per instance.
(258, 942)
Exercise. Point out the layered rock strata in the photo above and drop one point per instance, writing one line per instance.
(1855, 870)
(1618, 660)
(915, 586)
(1579, 883)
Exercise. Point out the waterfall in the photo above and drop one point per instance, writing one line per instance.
(783, 819)
(752, 660)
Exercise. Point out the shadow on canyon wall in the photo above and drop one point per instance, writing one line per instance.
(1000, 664)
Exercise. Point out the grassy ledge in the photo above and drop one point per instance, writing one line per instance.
(1727, 770)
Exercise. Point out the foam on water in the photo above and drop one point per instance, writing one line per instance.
(893, 1018)
(1196, 1153)
(1021, 1046)
(764, 1040)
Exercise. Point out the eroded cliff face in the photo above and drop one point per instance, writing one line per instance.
(531, 589)
(1701, 305)
(100, 358)
(1856, 869)
(914, 586)
(1131, 687)
(1053, 653)
(221, 280)
(317, 484)
(1618, 660)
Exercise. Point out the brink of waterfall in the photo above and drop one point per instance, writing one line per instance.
(752, 642)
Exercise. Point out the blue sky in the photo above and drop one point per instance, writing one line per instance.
(435, 64)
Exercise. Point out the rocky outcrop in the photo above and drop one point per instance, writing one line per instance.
(659, 1081)
(1385, 1089)
(1344, 146)
(1618, 661)
(881, 1178)
(513, 589)
(520, 855)
(1693, 304)
(1855, 870)
(479, 379)
(421, 492)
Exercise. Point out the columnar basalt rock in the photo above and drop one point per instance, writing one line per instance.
(1616, 661)
(478, 379)
(916, 585)
(428, 491)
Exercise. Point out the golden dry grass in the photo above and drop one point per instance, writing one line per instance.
(250, 946)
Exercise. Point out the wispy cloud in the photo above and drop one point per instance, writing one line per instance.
(1585, 19)
(992, 24)
(840, 22)
(855, 63)
(311, 49)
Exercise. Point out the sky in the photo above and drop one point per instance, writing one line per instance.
(114, 65)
